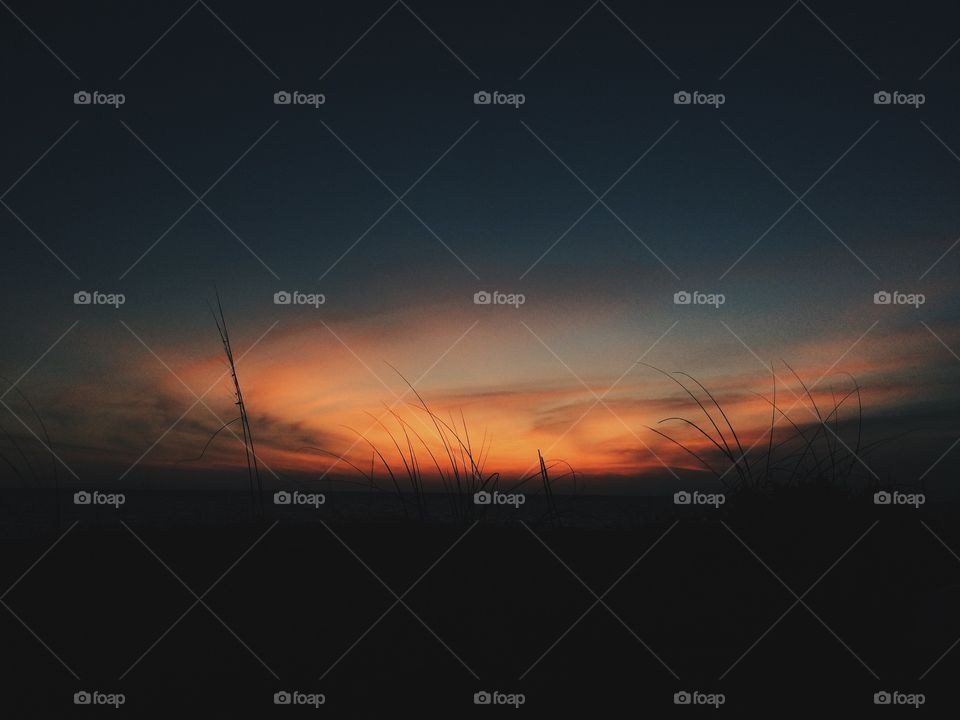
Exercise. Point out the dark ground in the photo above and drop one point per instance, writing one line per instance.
(299, 599)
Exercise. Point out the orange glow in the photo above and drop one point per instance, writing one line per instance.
(307, 388)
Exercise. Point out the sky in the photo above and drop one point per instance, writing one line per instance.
(398, 199)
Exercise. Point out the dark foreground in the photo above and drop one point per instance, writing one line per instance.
(808, 602)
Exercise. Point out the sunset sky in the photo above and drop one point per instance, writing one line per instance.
(294, 198)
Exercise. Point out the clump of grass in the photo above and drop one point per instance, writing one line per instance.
(452, 459)
(17, 458)
(808, 452)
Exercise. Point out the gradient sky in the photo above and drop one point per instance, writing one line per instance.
(504, 186)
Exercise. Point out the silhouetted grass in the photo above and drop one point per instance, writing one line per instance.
(809, 452)
(21, 466)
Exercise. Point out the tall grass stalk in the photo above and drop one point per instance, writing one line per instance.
(250, 453)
